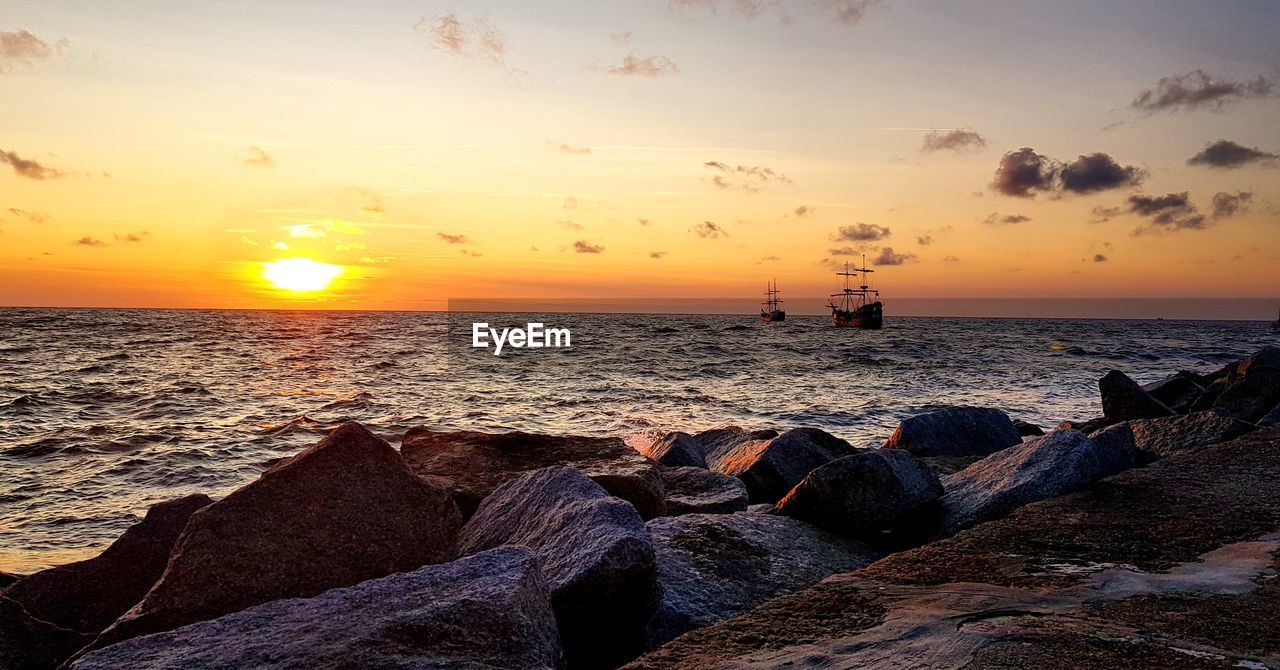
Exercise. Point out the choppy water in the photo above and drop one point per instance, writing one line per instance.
(104, 412)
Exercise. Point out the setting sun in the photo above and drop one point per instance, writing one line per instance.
(300, 274)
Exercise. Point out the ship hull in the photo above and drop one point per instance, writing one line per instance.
(870, 316)
(770, 317)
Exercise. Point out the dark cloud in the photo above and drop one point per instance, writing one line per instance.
(924, 240)
(28, 167)
(657, 255)
(1198, 90)
(648, 66)
(846, 251)
(995, 218)
(860, 232)
(1023, 172)
(33, 217)
(804, 210)
(959, 139)
(132, 238)
(888, 257)
(1102, 214)
(1168, 212)
(1098, 172)
(1099, 258)
(585, 247)
(454, 239)
(257, 157)
(88, 241)
(709, 230)
(476, 40)
(1228, 154)
(1229, 204)
(572, 150)
(750, 178)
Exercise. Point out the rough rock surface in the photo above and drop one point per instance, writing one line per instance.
(956, 431)
(1255, 388)
(1272, 418)
(772, 466)
(1169, 435)
(1006, 594)
(1027, 429)
(1046, 467)
(27, 643)
(693, 490)
(473, 464)
(714, 566)
(342, 511)
(595, 552)
(864, 493)
(1177, 393)
(7, 578)
(1123, 399)
(720, 440)
(489, 611)
(675, 450)
(88, 595)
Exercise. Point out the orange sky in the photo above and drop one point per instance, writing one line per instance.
(684, 149)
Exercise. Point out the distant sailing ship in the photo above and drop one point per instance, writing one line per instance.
(853, 310)
(771, 312)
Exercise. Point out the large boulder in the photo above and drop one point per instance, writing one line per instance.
(88, 595)
(595, 552)
(1255, 388)
(675, 449)
(1177, 393)
(27, 643)
(1123, 399)
(488, 612)
(693, 490)
(715, 566)
(864, 493)
(1027, 429)
(1271, 418)
(771, 466)
(1173, 434)
(343, 511)
(473, 464)
(1045, 467)
(956, 431)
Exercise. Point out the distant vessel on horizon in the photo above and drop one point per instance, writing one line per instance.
(854, 310)
(771, 311)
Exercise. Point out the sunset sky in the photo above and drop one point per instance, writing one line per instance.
(398, 154)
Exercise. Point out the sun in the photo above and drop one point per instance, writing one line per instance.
(300, 274)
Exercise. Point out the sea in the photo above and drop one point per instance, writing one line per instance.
(105, 412)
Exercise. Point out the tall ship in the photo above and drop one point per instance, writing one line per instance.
(772, 310)
(855, 307)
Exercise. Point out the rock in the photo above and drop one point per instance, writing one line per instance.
(7, 578)
(1123, 399)
(760, 508)
(956, 431)
(1086, 427)
(489, 611)
(595, 552)
(1177, 393)
(772, 466)
(720, 440)
(1272, 418)
(714, 566)
(676, 449)
(473, 464)
(1117, 448)
(88, 595)
(1027, 429)
(26, 643)
(694, 490)
(345, 510)
(1173, 434)
(1255, 388)
(1045, 467)
(864, 493)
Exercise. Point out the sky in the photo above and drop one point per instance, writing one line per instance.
(395, 155)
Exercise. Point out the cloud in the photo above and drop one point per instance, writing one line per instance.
(846, 251)
(888, 257)
(749, 178)
(132, 238)
(454, 239)
(848, 12)
(1197, 90)
(1098, 172)
(749, 9)
(1099, 258)
(477, 40)
(709, 230)
(924, 240)
(951, 259)
(29, 168)
(1102, 214)
(959, 139)
(803, 211)
(1228, 154)
(584, 247)
(257, 157)
(643, 222)
(1168, 213)
(32, 217)
(648, 66)
(1024, 172)
(657, 254)
(860, 232)
(88, 241)
(995, 218)
(1229, 204)
(572, 150)
(570, 203)
(565, 223)
(20, 46)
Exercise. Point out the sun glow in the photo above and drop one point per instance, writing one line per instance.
(300, 274)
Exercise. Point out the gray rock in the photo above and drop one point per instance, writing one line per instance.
(694, 490)
(595, 552)
(490, 611)
(473, 464)
(772, 466)
(761, 508)
(1173, 434)
(1027, 429)
(957, 431)
(1177, 393)
(1044, 467)
(343, 511)
(1116, 447)
(1123, 399)
(714, 566)
(719, 440)
(864, 493)
(675, 450)
(1255, 388)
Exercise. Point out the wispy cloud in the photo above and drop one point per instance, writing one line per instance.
(258, 157)
(570, 149)
(1228, 154)
(709, 230)
(848, 12)
(959, 139)
(646, 66)
(1229, 204)
(476, 39)
(132, 238)
(22, 47)
(88, 241)
(804, 210)
(749, 178)
(1174, 212)
(1198, 90)
(860, 232)
(585, 247)
(32, 217)
(454, 239)
(996, 218)
(29, 167)
(657, 255)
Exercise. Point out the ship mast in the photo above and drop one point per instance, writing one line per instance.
(847, 301)
(771, 297)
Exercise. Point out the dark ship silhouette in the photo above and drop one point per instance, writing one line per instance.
(855, 309)
(771, 311)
